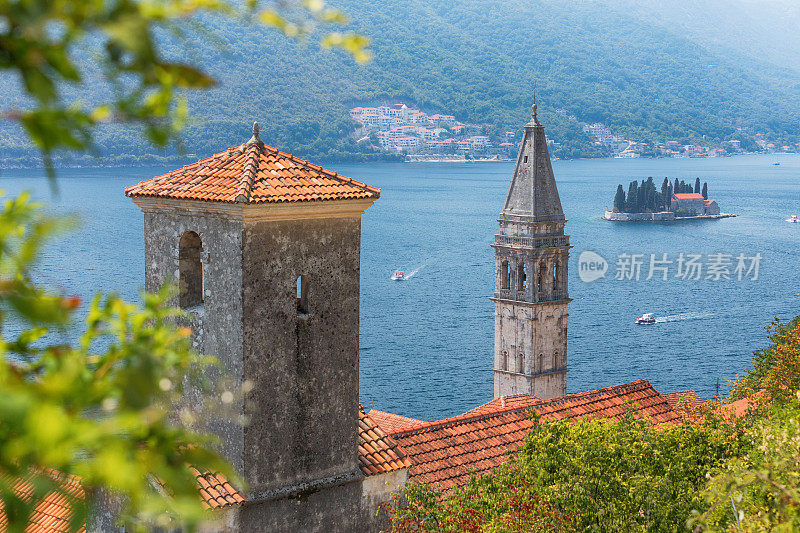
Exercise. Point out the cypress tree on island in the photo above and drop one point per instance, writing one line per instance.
(697, 185)
(619, 199)
(633, 196)
(705, 190)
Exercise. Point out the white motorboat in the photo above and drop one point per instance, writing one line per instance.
(792, 219)
(647, 318)
(398, 275)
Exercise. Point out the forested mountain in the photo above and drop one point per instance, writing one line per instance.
(479, 60)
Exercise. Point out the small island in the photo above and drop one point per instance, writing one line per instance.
(675, 201)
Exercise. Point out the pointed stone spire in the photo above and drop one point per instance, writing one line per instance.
(533, 193)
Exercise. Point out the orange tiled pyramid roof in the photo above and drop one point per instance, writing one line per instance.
(253, 173)
(445, 453)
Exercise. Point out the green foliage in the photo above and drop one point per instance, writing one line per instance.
(643, 198)
(619, 199)
(705, 190)
(52, 45)
(590, 475)
(760, 488)
(697, 185)
(764, 360)
(107, 408)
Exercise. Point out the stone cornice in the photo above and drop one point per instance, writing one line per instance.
(530, 304)
(251, 213)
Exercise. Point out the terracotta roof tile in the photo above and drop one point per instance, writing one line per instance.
(253, 173)
(53, 513)
(378, 453)
(505, 402)
(688, 397)
(447, 452)
(391, 422)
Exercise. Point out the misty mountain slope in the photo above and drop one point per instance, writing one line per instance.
(479, 60)
(765, 30)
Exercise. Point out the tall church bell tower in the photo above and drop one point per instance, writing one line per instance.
(530, 296)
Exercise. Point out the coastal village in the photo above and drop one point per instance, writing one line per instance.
(400, 128)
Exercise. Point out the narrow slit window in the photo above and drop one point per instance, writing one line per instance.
(190, 270)
(556, 268)
(505, 275)
(525, 159)
(302, 296)
(505, 360)
(520, 364)
(540, 278)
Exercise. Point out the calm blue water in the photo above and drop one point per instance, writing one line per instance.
(426, 343)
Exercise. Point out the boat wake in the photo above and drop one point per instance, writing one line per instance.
(682, 316)
(409, 275)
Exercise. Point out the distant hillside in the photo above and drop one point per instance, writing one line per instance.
(479, 60)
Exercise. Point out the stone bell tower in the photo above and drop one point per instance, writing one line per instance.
(265, 248)
(530, 296)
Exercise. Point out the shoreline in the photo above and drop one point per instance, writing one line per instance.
(662, 216)
(176, 160)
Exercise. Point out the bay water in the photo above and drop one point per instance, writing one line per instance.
(427, 342)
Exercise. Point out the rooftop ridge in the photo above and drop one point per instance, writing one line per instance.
(253, 173)
(449, 422)
(250, 169)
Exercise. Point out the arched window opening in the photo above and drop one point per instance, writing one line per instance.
(521, 278)
(505, 275)
(520, 364)
(541, 362)
(190, 270)
(302, 296)
(505, 360)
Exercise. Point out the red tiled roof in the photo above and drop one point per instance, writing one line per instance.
(708, 202)
(53, 513)
(684, 397)
(216, 491)
(447, 452)
(391, 422)
(688, 196)
(377, 452)
(253, 173)
(503, 403)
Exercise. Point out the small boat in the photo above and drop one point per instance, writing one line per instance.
(792, 219)
(398, 275)
(776, 164)
(646, 318)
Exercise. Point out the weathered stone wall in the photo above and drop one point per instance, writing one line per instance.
(217, 323)
(304, 366)
(664, 216)
(538, 333)
(349, 508)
